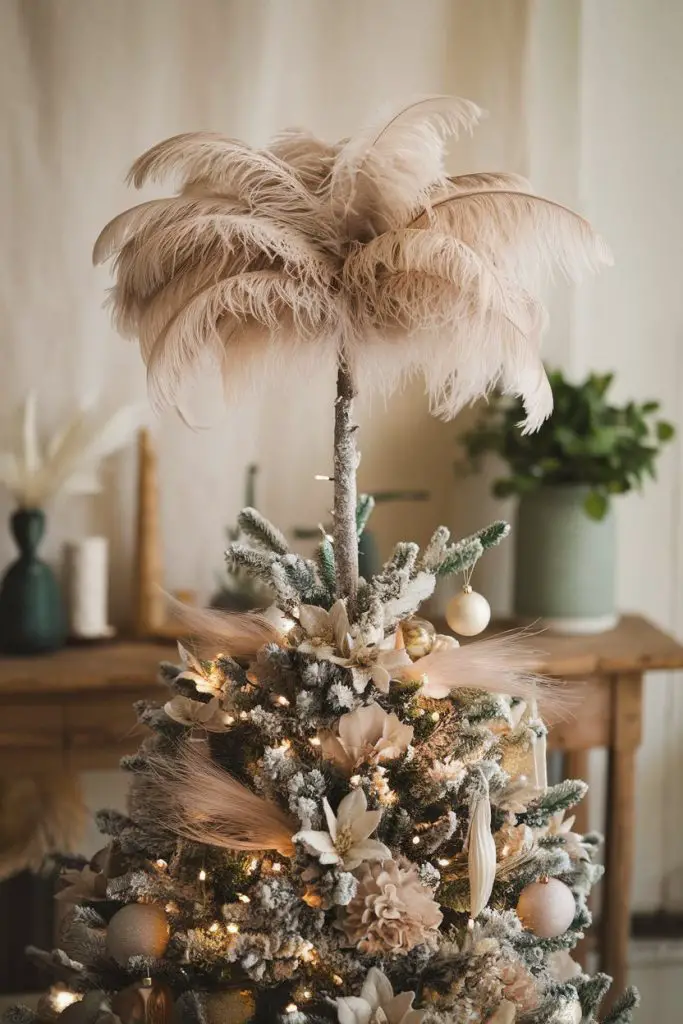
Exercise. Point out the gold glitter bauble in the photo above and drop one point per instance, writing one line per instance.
(235, 1006)
(546, 908)
(140, 929)
(418, 637)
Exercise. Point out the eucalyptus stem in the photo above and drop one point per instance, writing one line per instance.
(345, 465)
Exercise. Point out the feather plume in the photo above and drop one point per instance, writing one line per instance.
(234, 634)
(501, 664)
(206, 805)
(382, 173)
(287, 256)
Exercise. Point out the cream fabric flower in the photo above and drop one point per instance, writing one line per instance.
(205, 676)
(195, 714)
(327, 632)
(377, 1004)
(366, 653)
(347, 842)
(573, 841)
(392, 911)
(366, 734)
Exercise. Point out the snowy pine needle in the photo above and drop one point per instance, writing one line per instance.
(291, 255)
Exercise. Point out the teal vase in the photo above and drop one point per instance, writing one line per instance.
(32, 616)
(565, 562)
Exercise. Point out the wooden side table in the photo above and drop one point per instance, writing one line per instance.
(72, 711)
(611, 665)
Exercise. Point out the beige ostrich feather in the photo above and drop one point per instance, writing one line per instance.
(364, 249)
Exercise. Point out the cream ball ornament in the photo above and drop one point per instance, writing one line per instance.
(546, 908)
(468, 613)
(140, 929)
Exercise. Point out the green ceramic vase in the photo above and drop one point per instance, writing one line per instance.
(565, 562)
(32, 615)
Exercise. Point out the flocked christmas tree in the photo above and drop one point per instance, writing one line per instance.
(339, 815)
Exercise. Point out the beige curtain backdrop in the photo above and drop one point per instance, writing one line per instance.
(85, 86)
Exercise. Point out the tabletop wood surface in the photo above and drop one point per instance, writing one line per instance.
(635, 645)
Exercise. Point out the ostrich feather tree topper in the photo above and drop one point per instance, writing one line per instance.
(363, 252)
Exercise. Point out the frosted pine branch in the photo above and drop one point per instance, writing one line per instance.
(262, 532)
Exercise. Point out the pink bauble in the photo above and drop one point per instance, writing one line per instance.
(546, 908)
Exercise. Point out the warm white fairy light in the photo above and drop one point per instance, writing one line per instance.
(283, 701)
(306, 994)
(434, 716)
(416, 840)
(202, 875)
(161, 864)
(214, 927)
(242, 898)
(291, 1008)
(60, 1000)
(229, 720)
(277, 867)
(244, 716)
(322, 476)
(233, 928)
(337, 979)
(314, 741)
(355, 780)
(443, 862)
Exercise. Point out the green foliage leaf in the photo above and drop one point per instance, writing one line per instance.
(596, 505)
(611, 449)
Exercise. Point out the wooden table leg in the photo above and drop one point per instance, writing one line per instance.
(626, 702)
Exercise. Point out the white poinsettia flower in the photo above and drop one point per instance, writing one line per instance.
(366, 653)
(377, 1004)
(572, 841)
(327, 632)
(195, 714)
(347, 842)
(283, 622)
(205, 676)
(366, 734)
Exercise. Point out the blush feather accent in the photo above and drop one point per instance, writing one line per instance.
(201, 802)
(292, 256)
(235, 634)
(502, 664)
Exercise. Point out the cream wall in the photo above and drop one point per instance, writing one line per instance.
(583, 95)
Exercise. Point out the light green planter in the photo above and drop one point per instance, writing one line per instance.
(565, 563)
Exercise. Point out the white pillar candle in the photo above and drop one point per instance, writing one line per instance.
(87, 571)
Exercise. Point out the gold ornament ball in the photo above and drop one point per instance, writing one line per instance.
(140, 929)
(418, 637)
(468, 613)
(236, 1006)
(546, 908)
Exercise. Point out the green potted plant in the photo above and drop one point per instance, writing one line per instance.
(565, 477)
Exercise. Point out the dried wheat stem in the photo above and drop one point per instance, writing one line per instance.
(345, 464)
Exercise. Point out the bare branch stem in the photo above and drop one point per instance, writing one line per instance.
(345, 465)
